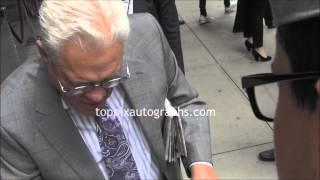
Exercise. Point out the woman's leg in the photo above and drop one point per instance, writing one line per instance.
(247, 32)
(257, 10)
(256, 21)
(226, 3)
(268, 18)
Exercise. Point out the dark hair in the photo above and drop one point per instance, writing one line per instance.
(301, 42)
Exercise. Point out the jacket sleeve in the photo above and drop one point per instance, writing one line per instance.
(180, 94)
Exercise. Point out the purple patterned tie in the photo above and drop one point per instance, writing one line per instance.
(115, 149)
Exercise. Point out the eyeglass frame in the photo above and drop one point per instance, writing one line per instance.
(251, 81)
(89, 86)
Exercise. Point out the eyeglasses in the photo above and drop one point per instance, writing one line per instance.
(263, 93)
(106, 84)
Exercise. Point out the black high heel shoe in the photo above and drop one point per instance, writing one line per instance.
(258, 56)
(248, 45)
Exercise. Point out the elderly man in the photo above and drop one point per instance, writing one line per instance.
(90, 60)
(297, 66)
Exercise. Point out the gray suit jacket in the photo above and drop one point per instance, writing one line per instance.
(40, 141)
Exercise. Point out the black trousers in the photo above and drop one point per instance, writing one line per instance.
(202, 6)
(268, 17)
(226, 3)
(254, 14)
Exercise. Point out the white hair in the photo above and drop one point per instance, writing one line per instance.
(89, 23)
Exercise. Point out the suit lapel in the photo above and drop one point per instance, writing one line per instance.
(139, 96)
(59, 130)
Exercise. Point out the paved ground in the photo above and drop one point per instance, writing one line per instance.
(215, 60)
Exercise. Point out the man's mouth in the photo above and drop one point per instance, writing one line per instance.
(90, 109)
(94, 106)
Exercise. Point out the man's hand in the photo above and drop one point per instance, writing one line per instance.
(203, 172)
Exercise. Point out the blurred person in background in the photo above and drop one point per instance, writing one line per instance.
(204, 18)
(249, 20)
(165, 12)
(267, 155)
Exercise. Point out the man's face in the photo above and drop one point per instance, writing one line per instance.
(78, 67)
(296, 130)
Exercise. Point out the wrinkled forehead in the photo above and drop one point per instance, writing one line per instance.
(76, 62)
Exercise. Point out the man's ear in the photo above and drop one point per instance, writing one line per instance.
(318, 87)
(42, 51)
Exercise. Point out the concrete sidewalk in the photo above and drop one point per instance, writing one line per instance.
(215, 60)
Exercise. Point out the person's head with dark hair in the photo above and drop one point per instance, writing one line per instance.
(300, 41)
(297, 120)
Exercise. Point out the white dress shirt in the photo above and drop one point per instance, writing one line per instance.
(128, 6)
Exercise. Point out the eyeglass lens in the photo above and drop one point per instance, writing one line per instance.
(266, 97)
(106, 85)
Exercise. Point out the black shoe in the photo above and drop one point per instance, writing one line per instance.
(267, 155)
(258, 56)
(248, 45)
(181, 22)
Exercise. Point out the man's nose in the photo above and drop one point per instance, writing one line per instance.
(96, 95)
